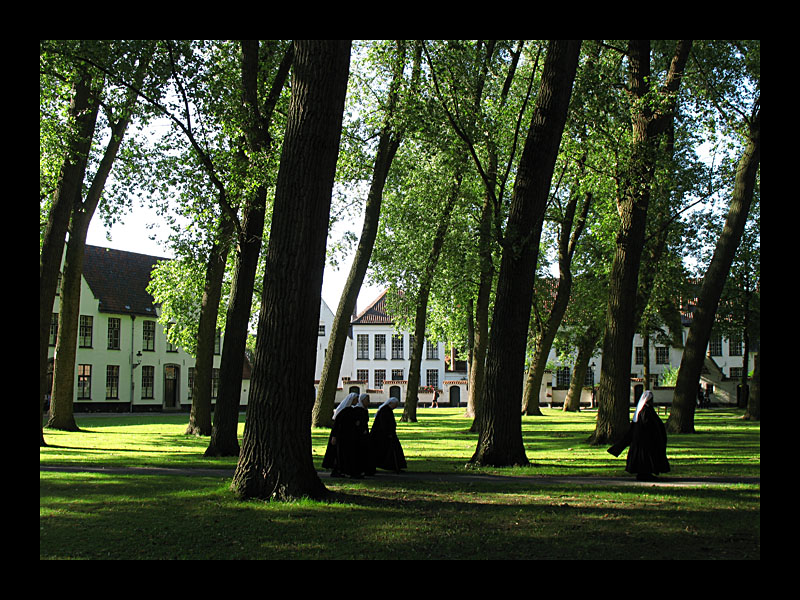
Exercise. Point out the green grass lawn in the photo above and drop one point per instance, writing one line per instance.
(125, 516)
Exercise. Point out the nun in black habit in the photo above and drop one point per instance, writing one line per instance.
(347, 451)
(385, 448)
(647, 438)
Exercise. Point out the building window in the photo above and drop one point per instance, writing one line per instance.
(380, 346)
(114, 326)
(432, 350)
(53, 329)
(85, 331)
(563, 377)
(112, 382)
(362, 346)
(662, 355)
(321, 331)
(639, 359)
(735, 345)
(432, 378)
(149, 335)
(380, 377)
(397, 374)
(191, 381)
(148, 381)
(736, 372)
(362, 375)
(84, 382)
(715, 345)
(588, 380)
(397, 346)
(217, 342)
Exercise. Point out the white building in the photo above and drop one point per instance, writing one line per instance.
(378, 357)
(124, 361)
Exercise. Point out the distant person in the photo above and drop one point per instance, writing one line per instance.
(647, 438)
(385, 449)
(347, 451)
(435, 402)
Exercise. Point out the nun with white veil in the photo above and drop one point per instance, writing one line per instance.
(647, 441)
(345, 453)
(385, 448)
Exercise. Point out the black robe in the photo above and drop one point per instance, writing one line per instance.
(350, 454)
(385, 448)
(647, 438)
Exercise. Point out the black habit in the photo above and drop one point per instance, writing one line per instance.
(348, 446)
(385, 448)
(647, 438)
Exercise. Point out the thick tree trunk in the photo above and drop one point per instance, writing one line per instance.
(224, 432)
(614, 389)
(500, 435)
(681, 418)
(61, 406)
(83, 112)
(275, 460)
(200, 413)
(753, 412)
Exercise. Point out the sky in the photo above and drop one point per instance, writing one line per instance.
(133, 235)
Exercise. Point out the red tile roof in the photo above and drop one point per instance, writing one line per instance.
(375, 313)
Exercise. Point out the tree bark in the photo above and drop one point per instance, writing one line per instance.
(421, 315)
(200, 413)
(500, 435)
(275, 460)
(614, 389)
(224, 439)
(681, 418)
(62, 402)
(83, 111)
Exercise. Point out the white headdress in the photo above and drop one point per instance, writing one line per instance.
(648, 395)
(344, 404)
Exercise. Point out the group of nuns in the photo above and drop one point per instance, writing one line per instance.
(353, 449)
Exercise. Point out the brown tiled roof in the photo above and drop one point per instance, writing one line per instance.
(375, 313)
(119, 280)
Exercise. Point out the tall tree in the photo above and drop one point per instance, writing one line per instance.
(651, 114)
(119, 117)
(500, 428)
(389, 141)
(681, 418)
(257, 147)
(80, 125)
(275, 460)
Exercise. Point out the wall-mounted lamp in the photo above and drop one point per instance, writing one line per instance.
(138, 359)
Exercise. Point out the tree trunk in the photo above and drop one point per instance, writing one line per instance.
(224, 432)
(500, 436)
(614, 389)
(753, 412)
(276, 460)
(322, 415)
(421, 316)
(572, 403)
(200, 413)
(83, 111)
(681, 418)
(61, 406)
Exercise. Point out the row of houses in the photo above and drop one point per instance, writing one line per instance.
(124, 361)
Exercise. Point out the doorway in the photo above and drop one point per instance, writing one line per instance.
(171, 397)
